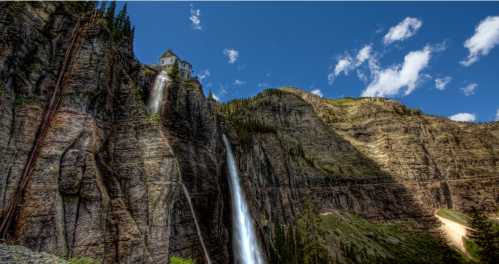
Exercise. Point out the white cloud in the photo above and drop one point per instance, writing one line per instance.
(497, 115)
(239, 82)
(364, 54)
(403, 30)
(441, 83)
(469, 89)
(317, 92)
(485, 38)
(231, 54)
(195, 18)
(390, 81)
(215, 97)
(463, 117)
(204, 74)
(346, 63)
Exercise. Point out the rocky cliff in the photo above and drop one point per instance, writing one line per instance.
(105, 182)
(86, 170)
(373, 157)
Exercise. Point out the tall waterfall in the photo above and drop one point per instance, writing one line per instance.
(156, 96)
(246, 248)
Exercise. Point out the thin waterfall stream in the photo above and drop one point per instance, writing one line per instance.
(154, 105)
(156, 96)
(246, 246)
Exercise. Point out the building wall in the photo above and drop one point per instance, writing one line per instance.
(184, 68)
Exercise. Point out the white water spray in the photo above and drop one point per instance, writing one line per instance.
(156, 96)
(246, 248)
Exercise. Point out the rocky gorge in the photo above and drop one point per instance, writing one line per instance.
(86, 170)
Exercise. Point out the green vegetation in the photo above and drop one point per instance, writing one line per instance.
(341, 237)
(453, 215)
(174, 73)
(245, 123)
(81, 6)
(148, 72)
(485, 235)
(25, 100)
(138, 92)
(83, 260)
(342, 101)
(482, 242)
(153, 118)
(301, 242)
(178, 260)
(471, 248)
(2, 88)
(120, 25)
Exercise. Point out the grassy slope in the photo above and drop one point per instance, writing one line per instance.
(453, 215)
(352, 239)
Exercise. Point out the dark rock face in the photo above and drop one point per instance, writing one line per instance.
(373, 157)
(106, 182)
(22, 255)
(195, 133)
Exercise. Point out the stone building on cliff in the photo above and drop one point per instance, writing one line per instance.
(168, 59)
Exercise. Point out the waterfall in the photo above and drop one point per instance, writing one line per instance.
(246, 248)
(156, 96)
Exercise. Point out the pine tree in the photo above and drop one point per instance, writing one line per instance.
(309, 228)
(110, 15)
(174, 73)
(484, 235)
(103, 7)
(119, 24)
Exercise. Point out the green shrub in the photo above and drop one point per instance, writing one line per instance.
(178, 260)
(83, 260)
(24, 100)
(148, 72)
(138, 92)
(153, 118)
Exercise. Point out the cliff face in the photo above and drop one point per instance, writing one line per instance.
(373, 157)
(106, 179)
(443, 163)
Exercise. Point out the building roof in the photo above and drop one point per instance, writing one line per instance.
(168, 53)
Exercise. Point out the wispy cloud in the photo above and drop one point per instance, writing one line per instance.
(231, 54)
(403, 30)
(204, 74)
(195, 18)
(391, 81)
(347, 63)
(239, 82)
(486, 37)
(463, 117)
(497, 115)
(441, 83)
(469, 89)
(317, 92)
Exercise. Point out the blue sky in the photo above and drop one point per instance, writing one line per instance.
(406, 49)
